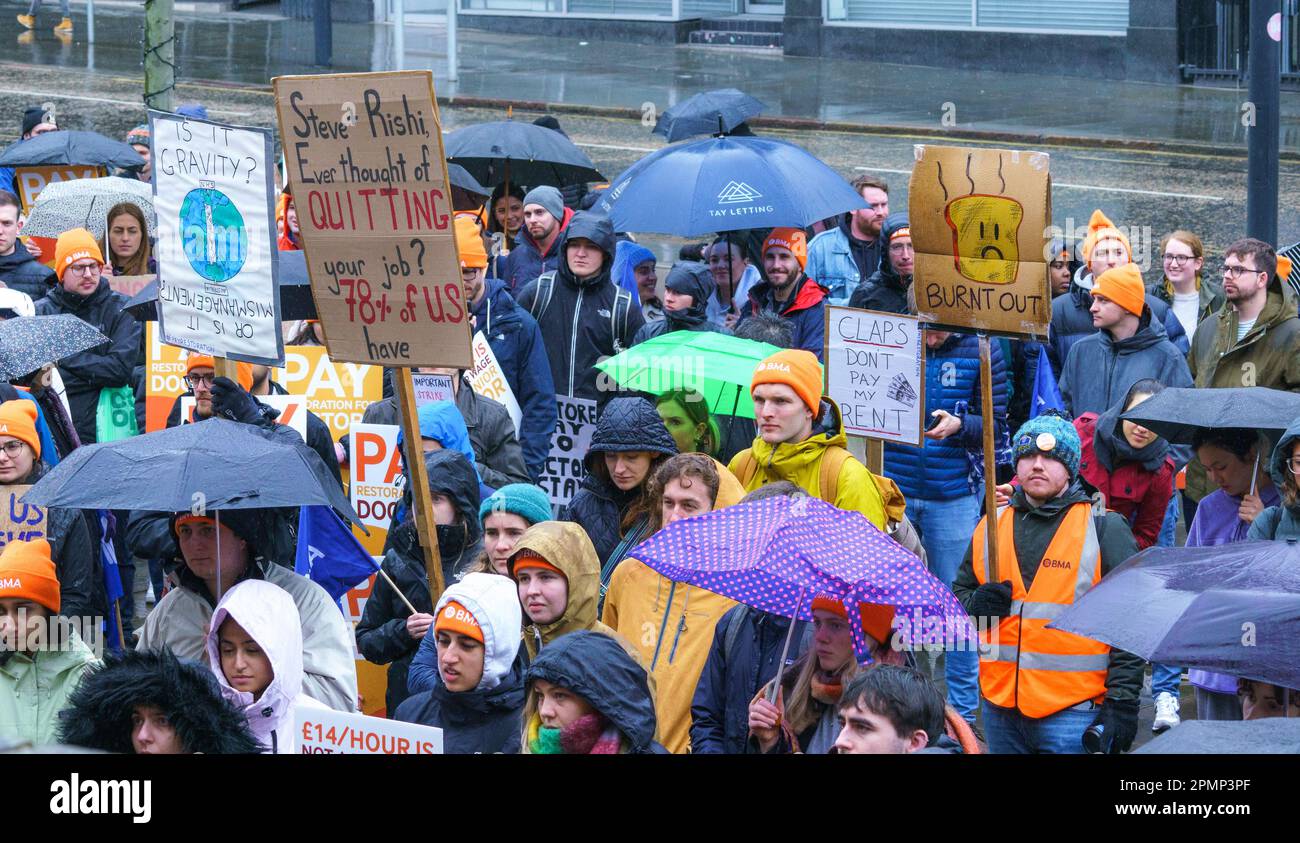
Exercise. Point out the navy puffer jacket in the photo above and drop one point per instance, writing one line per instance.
(627, 424)
(941, 469)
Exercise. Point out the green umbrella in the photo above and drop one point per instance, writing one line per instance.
(718, 366)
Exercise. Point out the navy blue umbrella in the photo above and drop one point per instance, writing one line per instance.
(708, 113)
(69, 147)
(527, 154)
(1233, 609)
(726, 184)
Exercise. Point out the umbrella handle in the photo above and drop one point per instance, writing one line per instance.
(775, 688)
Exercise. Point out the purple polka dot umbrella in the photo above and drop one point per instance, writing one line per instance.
(778, 555)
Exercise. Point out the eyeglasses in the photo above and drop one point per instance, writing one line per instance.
(13, 449)
(195, 380)
(1178, 260)
(1236, 271)
(1293, 464)
(85, 269)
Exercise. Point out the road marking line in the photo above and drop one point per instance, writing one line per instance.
(111, 102)
(615, 147)
(1085, 187)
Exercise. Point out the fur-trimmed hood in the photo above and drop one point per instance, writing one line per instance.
(99, 712)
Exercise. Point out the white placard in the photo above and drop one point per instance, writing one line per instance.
(293, 410)
(214, 196)
(376, 473)
(430, 388)
(323, 731)
(489, 380)
(569, 443)
(874, 372)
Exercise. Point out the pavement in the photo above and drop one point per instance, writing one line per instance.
(630, 79)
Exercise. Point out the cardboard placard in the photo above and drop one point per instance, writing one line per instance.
(377, 478)
(20, 521)
(430, 388)
(214, 192)
(489, 380)
(293, 410)
(569, 444)
(365, 161)
(980, 225)
(874, 371)
(323, 731)
(129, 285)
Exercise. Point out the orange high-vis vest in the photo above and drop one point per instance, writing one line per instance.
(1036, 670)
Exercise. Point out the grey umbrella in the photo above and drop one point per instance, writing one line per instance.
(29, 342)
(1177, 413)
(70, 147)
(707, 113)
(1272, 735)
(85, 203)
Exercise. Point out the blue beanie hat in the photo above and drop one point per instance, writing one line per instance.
(528, 502)
(1048, 434)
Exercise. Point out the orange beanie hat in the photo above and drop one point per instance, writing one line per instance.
(74, 245)
(877, 620)
(469, 243)
(456, 618)
(18, 419)
(243, 371)
(27, 572)
(797, 369)
(1100, 228)
(1122, 285)
(528, 559)
(789, 238)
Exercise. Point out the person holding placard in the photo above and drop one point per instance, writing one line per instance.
(941, 480)
(477, 685)
(516, 342)
(389, 632)
(319, 438)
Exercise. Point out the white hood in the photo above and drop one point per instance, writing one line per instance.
(269, 615)
(493, 600)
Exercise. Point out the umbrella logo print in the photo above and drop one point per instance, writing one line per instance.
(736, 192)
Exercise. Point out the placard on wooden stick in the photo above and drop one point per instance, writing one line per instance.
(875, 366)
(979, 222)
(365, 162)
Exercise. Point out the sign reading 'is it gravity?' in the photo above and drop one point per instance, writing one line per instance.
(214, 194)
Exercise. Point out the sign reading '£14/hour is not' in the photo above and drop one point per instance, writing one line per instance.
(364, 157)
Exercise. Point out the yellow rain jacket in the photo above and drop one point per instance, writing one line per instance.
(670, 624)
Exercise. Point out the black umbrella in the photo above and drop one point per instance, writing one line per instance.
(461, 178)
(29, 342)
(67, 147)
(521, 152)
(216, 463)
(1269, 736)
(1176, 413)
(708, 113)
(295, 292)
(1232, 608)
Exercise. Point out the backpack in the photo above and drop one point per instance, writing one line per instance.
(829, 482)
(617, 313)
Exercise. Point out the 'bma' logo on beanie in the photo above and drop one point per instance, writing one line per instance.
(773, 366)
(11, 582)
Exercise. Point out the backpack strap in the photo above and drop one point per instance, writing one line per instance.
(832, 461)
(738, 620)
(542, 299)
(747, 468)
(618, 318)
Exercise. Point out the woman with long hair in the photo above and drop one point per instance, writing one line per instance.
(1191, 295)
(686, 415)
(126, 241)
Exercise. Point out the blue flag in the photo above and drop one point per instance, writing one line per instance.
(112, 582)
(1046, 394)
(328, 553)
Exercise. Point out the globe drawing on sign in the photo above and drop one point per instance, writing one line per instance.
(213, 232)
